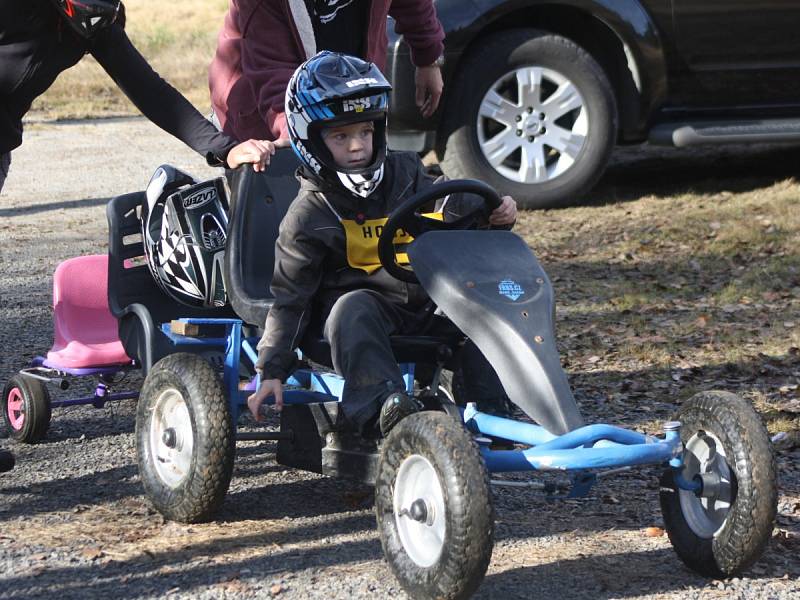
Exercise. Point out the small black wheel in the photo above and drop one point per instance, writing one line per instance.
(434, 508)
(533, 115)
(185, 439)
(724, 529)
(26, 409)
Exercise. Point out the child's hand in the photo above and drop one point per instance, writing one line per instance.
(269, 387)
(257, 152)
(505, 214)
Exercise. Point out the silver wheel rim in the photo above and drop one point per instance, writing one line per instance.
(171, 439)
(705, 515)
(532, 125)
(418, 484)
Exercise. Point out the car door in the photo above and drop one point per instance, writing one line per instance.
(737, 53)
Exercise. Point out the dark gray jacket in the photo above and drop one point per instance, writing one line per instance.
(327, 246)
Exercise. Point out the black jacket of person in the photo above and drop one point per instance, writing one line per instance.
(36, 46)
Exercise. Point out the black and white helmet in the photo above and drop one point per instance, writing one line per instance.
(332, 89)
(184, 225)
(87, 17)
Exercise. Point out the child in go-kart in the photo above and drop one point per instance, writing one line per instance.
(327, 273)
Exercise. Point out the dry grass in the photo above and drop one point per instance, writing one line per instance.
(691, 288)
(178, 38)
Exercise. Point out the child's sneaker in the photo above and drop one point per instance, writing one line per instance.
(396, 408)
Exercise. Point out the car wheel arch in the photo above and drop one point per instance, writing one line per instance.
(635, 63)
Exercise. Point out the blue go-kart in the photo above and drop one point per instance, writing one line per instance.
(431, 474)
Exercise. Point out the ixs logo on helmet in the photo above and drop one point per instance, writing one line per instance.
(308, 157)
(200, 198)
(356, 104)
(361, 81)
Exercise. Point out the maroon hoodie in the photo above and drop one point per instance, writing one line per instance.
(262, 42)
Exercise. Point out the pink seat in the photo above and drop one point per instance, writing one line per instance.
(85, 331)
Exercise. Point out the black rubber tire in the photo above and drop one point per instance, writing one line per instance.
(36, 404)
(469, 511)
(200, 493)
(457, 141)
(749, 522)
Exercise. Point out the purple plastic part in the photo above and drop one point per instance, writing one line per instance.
(77, 372)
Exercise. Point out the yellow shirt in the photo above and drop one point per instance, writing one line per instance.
(362, 242)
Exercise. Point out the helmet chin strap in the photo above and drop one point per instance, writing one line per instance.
(360, 185)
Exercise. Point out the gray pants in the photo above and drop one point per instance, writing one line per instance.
(5, 163)
(358, 329)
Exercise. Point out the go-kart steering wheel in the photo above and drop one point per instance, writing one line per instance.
(405, 217)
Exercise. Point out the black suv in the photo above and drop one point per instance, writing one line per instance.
(537, 92)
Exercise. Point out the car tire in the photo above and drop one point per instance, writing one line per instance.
(725, 530)
(434, 507)
(490, 72)
(185, 439)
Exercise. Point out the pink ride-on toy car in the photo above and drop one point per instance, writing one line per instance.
(86, 344)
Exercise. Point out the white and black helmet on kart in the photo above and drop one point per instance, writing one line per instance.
(332, 89)
(184, 225)
(87, 17)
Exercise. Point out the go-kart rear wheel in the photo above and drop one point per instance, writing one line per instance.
(185, 440)
(26, 409)
(433, 507)
(724, 529)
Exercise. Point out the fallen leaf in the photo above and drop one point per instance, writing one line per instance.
(91, 552)
(654, 532)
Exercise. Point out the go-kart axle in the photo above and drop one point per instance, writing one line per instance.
(419, 512)
(169, 437)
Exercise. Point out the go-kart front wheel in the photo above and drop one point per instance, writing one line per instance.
(723, 529)
(26, 409)
(184, 438)
(433, 507)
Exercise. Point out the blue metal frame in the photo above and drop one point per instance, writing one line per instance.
(589, 447)
(596, 446)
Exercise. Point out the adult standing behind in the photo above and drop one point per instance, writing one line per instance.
(41, 38)
(262, 42)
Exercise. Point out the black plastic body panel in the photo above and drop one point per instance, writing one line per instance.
(492, 287)
(315, 445)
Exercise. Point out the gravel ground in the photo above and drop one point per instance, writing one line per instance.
(74, 522)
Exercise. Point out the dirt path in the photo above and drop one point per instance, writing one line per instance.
(73, 519)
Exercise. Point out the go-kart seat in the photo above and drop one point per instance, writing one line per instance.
(259, 202)
(133, 295)
(84, 330)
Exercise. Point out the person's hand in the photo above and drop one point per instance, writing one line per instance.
(505, 214)
(269, 387)
(429, 88)
(257, 152)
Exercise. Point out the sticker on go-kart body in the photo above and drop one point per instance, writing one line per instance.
(510, 289)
